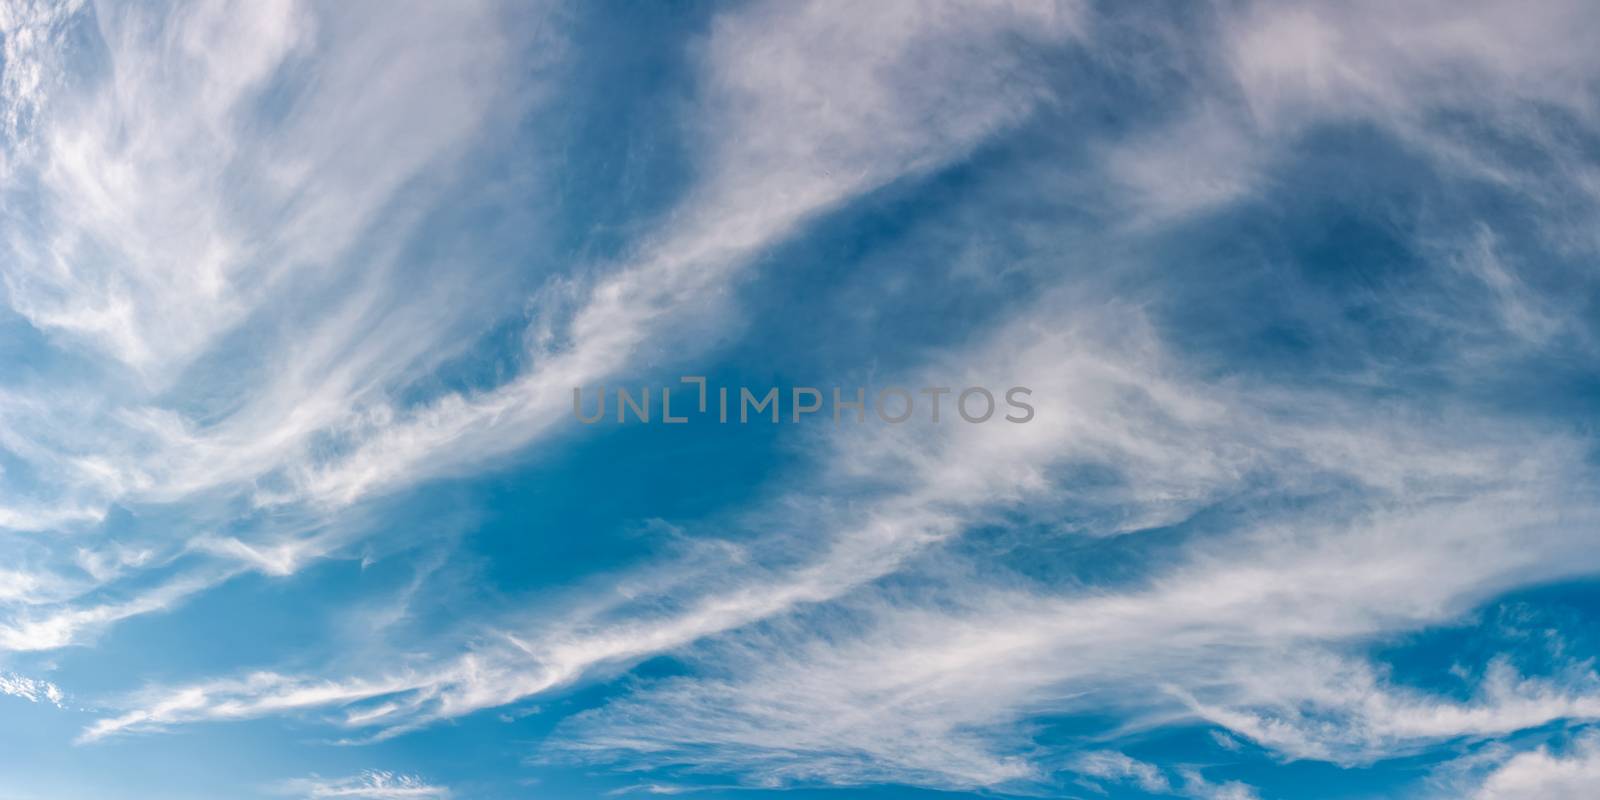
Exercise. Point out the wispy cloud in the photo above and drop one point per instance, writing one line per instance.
(770, 162)
(915, 693)
(31, 689)
(57, 625)
(1112, 767)
(1246, 630)
(214, 222)
(1543, 773)
(369, 785)
(1267, 75)
(927, 695)
(216, 175)
(802, 112)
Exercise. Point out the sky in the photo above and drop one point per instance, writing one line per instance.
(295, 298)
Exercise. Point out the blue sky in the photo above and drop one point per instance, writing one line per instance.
(295, 295)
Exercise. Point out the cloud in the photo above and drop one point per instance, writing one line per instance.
(1200, 163)
(949, 479)
(1303, 61)
(1114, 767)
(369, 785)
(1462, 84)
(18, 586)
(141, 239)
(207, 210)
(1545, 775)
(53, 626)
(811, 669)
(30, 689)
(146, 243)
(871, 623)
(1255, 627)
(935, 692)
(800, 113)
(113, 247)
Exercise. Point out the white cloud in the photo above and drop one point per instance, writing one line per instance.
(169, 207)
(1276, 72)
(369, 785)
(31, 689)
(1196, 786)
(1116, 767)
(233, 188)
(934, 692)
(1245, 630)
(1202, 162)
(1248, 629)
(801, 112)
(124, 253)
(1544, 775)
(1300, 61)
(56, 625)
(17, 586)
(810, 667)
(806, 105)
